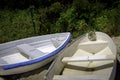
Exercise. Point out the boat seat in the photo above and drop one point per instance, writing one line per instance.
(13, 58)
(88, 58)
(93, 46)
(30, 51)
(55, 42)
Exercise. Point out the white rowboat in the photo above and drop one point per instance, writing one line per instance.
(30, 53)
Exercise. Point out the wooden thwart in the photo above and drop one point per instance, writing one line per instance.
(30, 51)
(88, 58)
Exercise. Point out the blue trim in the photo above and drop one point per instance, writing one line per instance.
(11, 66)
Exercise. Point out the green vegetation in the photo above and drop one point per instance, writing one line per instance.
(25, 18)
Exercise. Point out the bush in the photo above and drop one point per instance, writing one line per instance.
(31, 18)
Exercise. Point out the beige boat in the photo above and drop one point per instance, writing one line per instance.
(90, 57)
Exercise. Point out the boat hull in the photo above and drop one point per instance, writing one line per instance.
(26, 63)
(25, 68)
(105, 69)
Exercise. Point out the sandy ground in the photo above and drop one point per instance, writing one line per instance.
(38, 74)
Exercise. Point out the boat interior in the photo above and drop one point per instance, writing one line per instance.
(93, 59)
(16, 52)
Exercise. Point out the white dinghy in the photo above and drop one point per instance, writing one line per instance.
(87, 58)
(30, 53)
